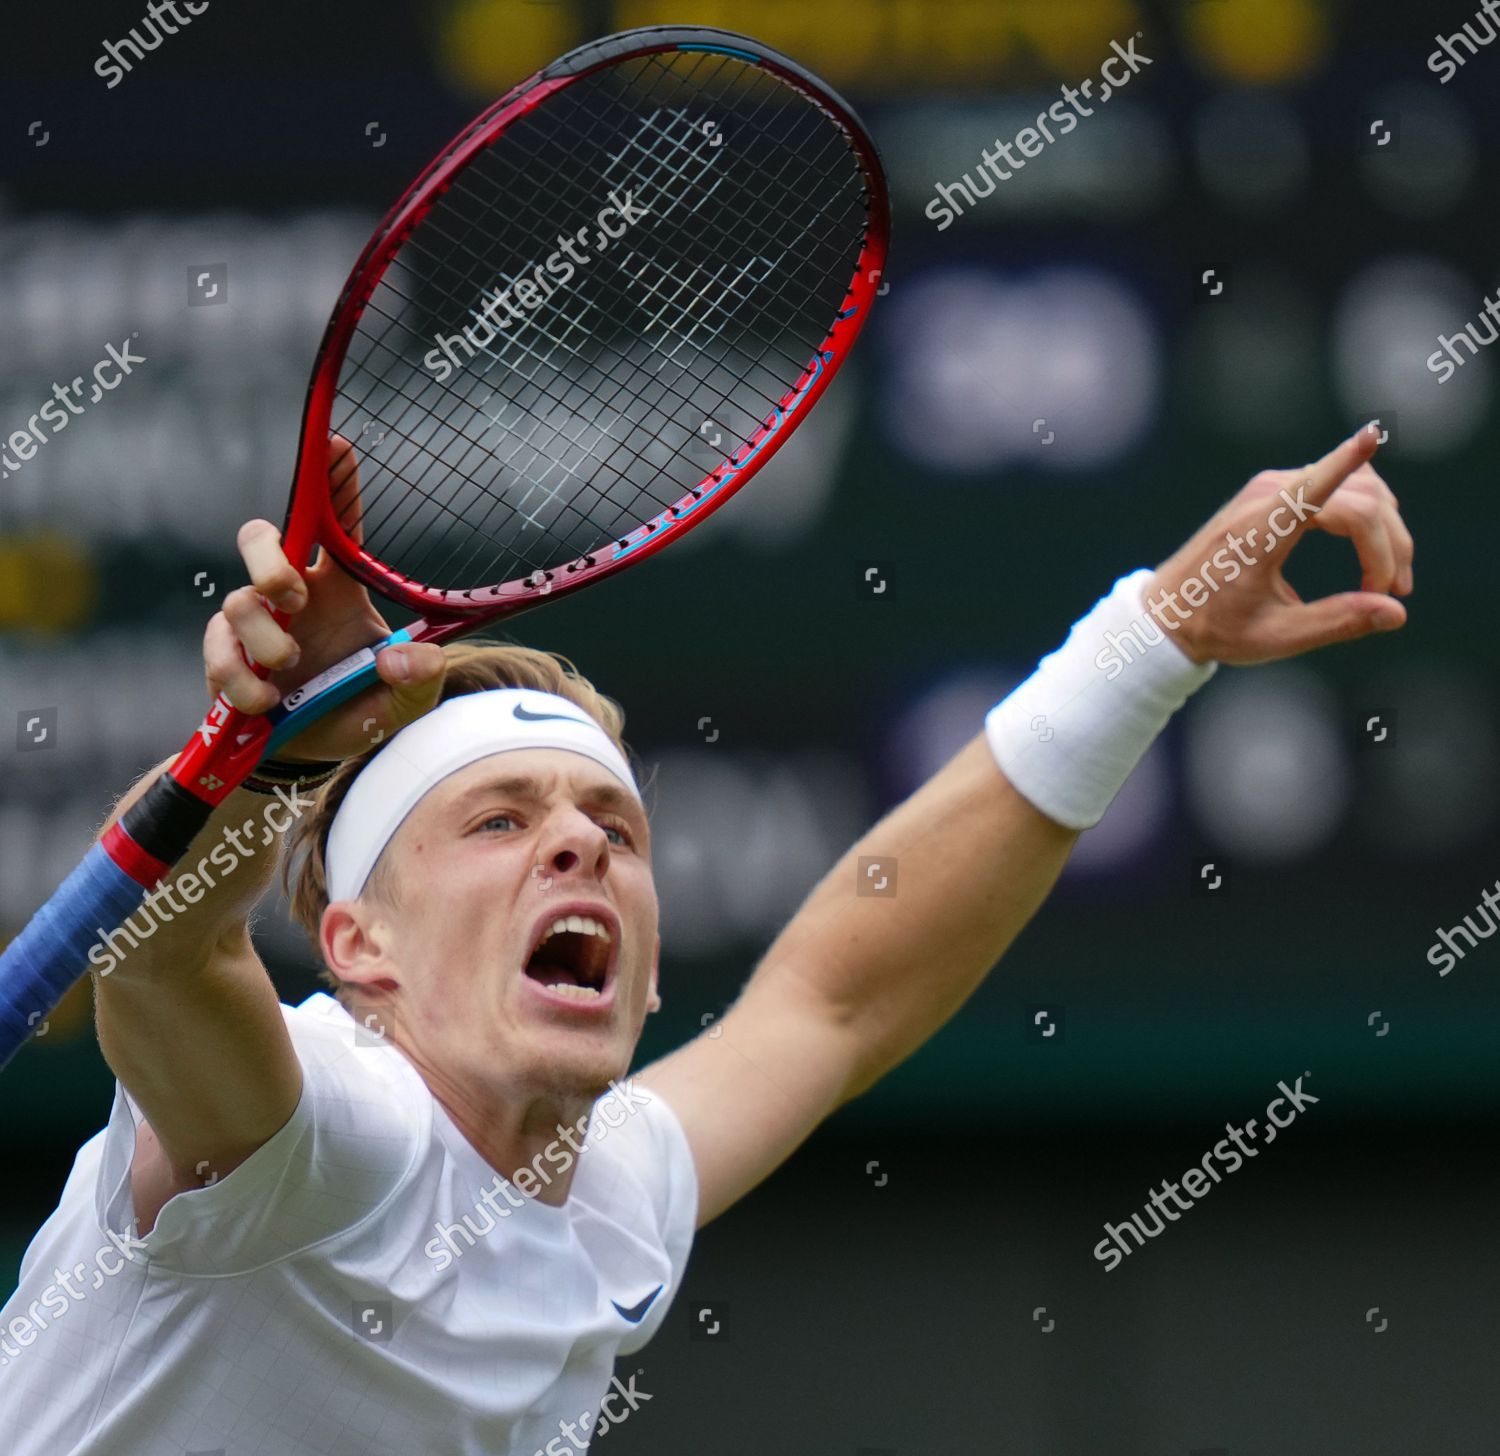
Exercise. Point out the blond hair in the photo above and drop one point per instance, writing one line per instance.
(473, 667)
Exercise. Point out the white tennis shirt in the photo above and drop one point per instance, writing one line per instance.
(363, 1285)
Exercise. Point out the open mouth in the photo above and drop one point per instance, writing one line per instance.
(574, 957)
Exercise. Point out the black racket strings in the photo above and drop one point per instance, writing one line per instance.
(810, 191)
(632, 509)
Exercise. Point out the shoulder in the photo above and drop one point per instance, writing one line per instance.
(637, 1179)
(356, 1083)
(636, 1142)
(355, 1140)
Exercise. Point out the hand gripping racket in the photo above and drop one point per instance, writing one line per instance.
(584, 327)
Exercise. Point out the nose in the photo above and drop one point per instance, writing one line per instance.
(574, 840)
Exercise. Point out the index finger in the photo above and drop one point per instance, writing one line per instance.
(343, 480)
(1325, 477)
(271, 574)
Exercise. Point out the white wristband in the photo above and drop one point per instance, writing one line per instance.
(1070, 735)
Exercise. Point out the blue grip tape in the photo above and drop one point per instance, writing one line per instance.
(46, 958)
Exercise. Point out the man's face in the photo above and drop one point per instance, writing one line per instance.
(487, 864)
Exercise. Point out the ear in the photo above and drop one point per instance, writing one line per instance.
(653, 1001)
(357, 945)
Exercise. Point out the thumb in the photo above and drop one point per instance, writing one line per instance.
(1345, 617)
(414, 672)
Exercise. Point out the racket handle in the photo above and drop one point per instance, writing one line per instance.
(303, 706)
(46, 958)
(76, 927)
(53, 951)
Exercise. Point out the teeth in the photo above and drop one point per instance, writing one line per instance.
(579, 925)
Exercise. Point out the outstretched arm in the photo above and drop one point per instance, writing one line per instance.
(855, 983)
(188, 1019)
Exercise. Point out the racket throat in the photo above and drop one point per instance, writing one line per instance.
(319, 695)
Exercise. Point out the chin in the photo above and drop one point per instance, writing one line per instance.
(565, 1067)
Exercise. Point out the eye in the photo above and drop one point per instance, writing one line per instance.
(497, 819)
(618, 826)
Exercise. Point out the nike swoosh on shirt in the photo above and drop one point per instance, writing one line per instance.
(526, 716)
(637, 1312)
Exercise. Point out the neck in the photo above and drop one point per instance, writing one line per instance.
(532, 1143)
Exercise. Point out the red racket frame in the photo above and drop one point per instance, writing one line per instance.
(229, 743)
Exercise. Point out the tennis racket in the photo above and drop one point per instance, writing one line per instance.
(588, 324)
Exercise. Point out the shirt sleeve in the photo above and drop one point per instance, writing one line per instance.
(356, 1136)
(677, 1186)
(649, 1150)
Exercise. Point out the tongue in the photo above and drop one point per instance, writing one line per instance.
(549, 973)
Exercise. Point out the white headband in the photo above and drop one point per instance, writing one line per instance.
(453, 735)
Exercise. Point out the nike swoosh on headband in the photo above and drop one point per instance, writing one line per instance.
(637, 1312)
(528, 717)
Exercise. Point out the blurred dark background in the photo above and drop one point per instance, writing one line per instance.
(1055, 390)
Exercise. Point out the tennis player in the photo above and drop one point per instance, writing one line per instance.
(427, 1212)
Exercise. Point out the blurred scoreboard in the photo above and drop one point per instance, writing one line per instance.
(1219, 272)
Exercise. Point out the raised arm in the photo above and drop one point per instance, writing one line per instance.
(855, 983)
(188, 1019)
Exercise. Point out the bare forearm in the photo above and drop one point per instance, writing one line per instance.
(968, 862)
(208, 896)
(188, 1019)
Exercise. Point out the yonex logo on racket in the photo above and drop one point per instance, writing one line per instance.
(215, 719)
(566, 436)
